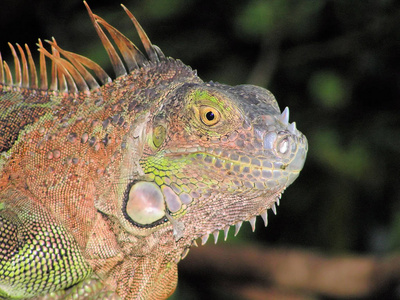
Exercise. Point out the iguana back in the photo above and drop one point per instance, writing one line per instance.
(105, 184)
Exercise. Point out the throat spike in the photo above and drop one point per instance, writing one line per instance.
(185, 253)
(226, 230)
(178, 227)
(264, 216)
(237, 227)
(253, 223)
(216, 235)
(204, 239)
(273, 207)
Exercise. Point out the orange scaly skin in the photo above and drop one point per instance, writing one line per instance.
(105, 184)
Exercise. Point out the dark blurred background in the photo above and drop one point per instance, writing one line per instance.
(334, 63)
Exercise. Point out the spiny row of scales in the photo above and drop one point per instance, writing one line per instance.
(238, 225)
(70, 74)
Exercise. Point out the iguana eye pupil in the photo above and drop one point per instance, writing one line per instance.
(210, 116)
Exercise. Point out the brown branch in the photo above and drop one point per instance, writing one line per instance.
(296, 273)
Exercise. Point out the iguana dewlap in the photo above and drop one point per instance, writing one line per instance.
(105, 184)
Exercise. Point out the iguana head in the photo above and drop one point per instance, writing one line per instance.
(216, 155)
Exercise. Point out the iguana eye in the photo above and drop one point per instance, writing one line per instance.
(209, 115)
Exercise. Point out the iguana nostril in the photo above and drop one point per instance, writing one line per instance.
(283, 146)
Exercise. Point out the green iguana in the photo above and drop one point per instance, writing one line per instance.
(106, 184)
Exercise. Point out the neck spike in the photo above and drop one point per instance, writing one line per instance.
(70, 71)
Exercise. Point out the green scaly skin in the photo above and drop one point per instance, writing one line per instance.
(104, 191)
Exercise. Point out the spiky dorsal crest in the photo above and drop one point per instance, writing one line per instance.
(70, 72)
